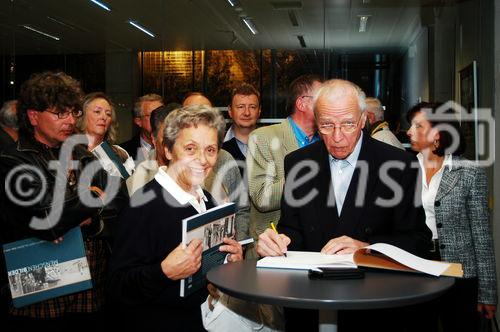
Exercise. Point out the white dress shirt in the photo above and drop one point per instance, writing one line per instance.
(341, 172)
(429, 192)
(180, 195)
(145, 149)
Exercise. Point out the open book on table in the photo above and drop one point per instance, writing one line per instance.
(378, 255)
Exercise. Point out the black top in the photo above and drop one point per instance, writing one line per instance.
(147, 233)
(232, 147)
(293, 288)
(43, 188)
(132, 145)
(5, 139)
(367, 215)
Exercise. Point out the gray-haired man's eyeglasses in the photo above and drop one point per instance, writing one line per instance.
(347, 127)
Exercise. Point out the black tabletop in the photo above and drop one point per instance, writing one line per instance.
(292, 288)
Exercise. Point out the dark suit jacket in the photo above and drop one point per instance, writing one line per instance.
(132, 145)
(142, 295)
(232, 147)
(312, 224)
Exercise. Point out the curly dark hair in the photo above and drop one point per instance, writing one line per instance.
(47, 90)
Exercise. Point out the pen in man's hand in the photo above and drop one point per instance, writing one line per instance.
(274, 229)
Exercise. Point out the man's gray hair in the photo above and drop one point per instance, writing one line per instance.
(190, 116)
(373, 105)
(148, 97)
(8, 115)
(337, 88)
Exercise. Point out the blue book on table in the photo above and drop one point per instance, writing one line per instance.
(39, 270)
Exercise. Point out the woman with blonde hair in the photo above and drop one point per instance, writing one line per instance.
(98, 123)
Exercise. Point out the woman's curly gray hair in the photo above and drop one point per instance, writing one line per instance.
(190, 116)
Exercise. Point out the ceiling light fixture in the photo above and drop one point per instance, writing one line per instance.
(101, 4)
(29, 27)
(286, 5)
(302, 41)
(140, 27)
(67, 24)
(250, 25)
(234, 3)
(293, 18)
(363, 20)
(60, 22)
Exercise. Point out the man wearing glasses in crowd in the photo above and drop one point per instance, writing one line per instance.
(39, 178)
(139, 147)
(345, 192)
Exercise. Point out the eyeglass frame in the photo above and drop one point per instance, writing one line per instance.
(65, 114)
(342, 127)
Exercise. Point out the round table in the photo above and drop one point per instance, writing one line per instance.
(292, 288)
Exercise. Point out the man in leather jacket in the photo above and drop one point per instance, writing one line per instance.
(53, 184)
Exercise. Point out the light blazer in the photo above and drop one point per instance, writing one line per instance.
(463, 226)
(312, 223)
(267, 148)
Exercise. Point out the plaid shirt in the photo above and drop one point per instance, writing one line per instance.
(87, 301)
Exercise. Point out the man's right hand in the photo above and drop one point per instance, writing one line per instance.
(271, 243)
(183, 262)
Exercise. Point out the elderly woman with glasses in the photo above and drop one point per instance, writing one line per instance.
(455, 199)
(148, 260)
(98, 123)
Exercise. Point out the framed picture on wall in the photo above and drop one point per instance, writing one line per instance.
(468, 99)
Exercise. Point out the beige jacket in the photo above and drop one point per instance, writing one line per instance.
(267, 148)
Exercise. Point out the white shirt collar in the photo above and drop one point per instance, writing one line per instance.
(145, 144)
(229, 134)
(447, 162)
(181, 196)
(353, 157)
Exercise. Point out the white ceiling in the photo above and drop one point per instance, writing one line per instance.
(205, 24)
